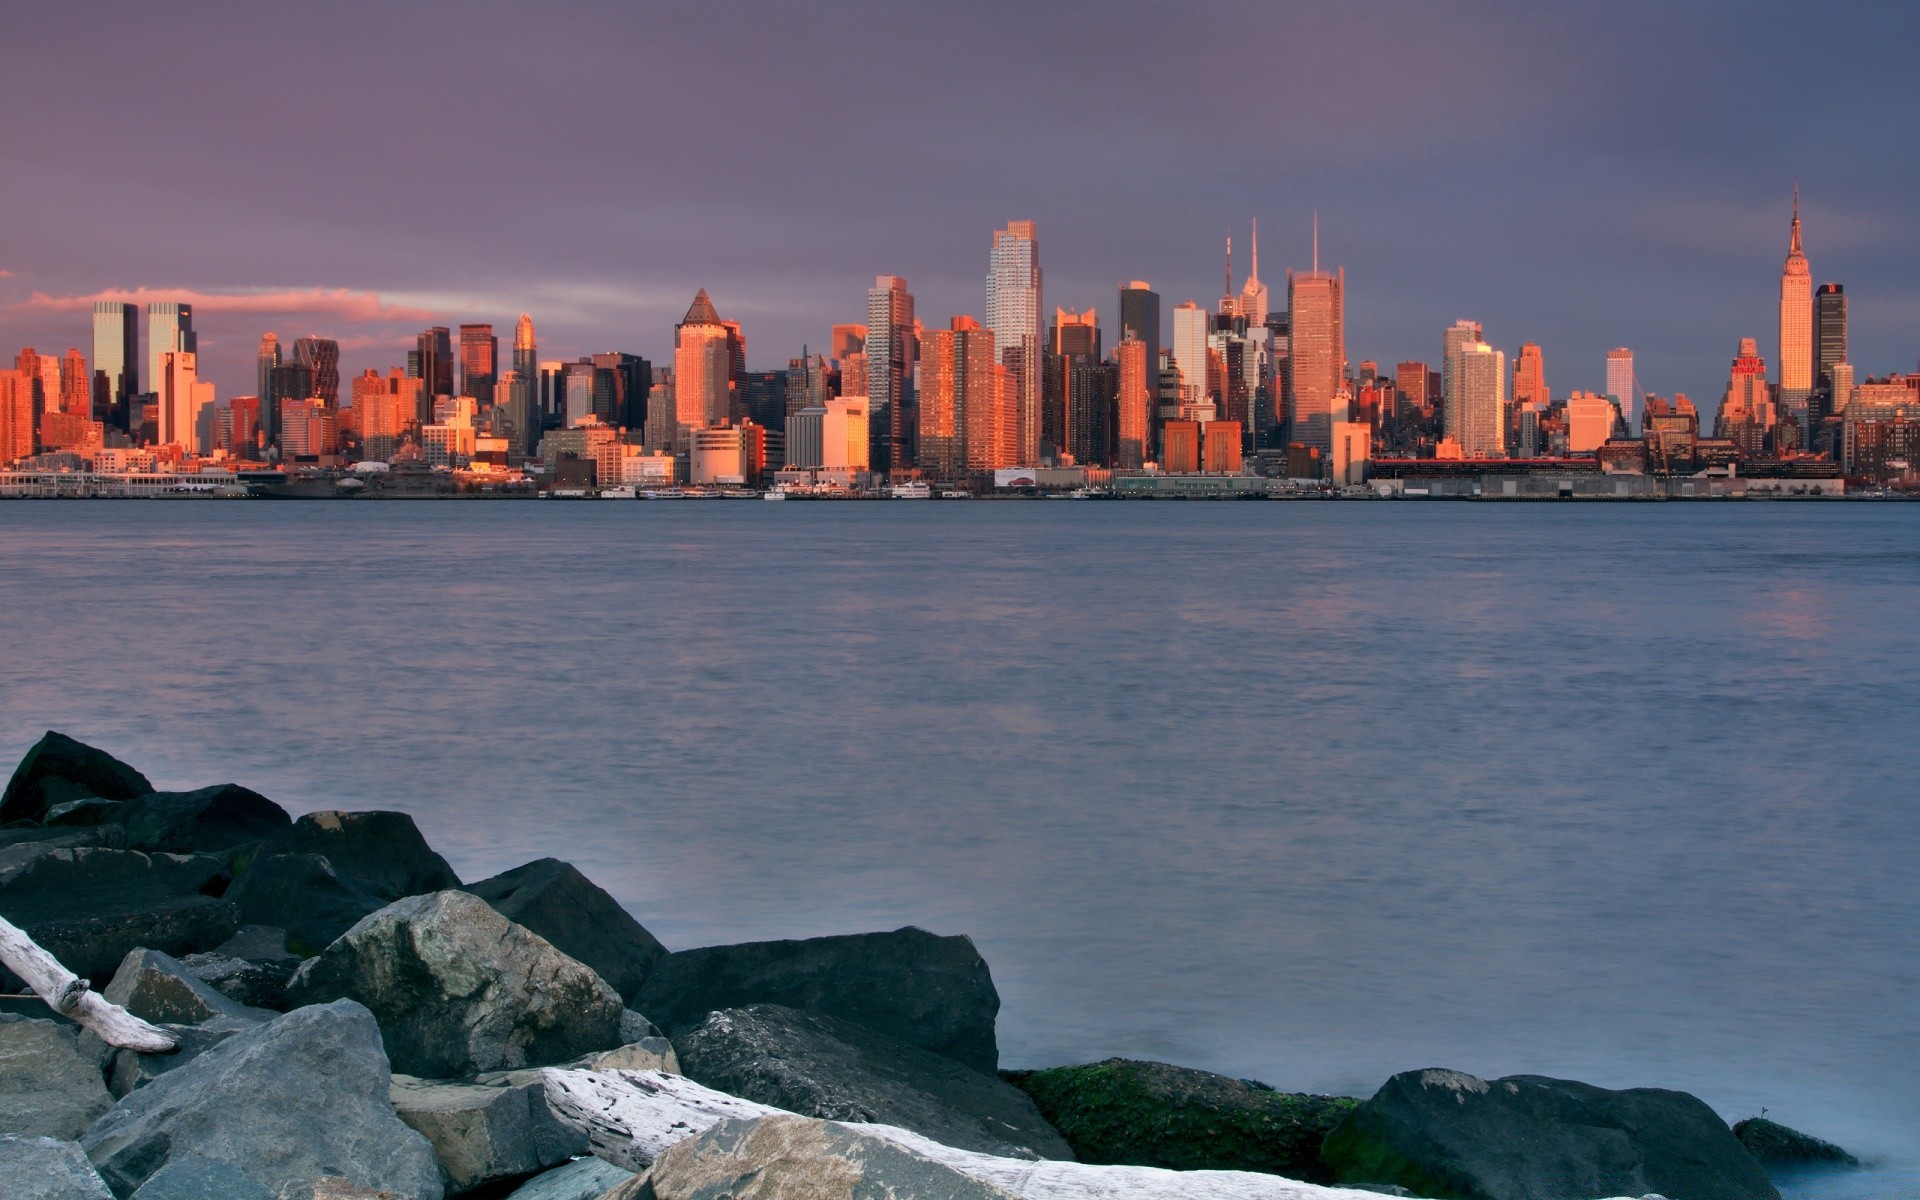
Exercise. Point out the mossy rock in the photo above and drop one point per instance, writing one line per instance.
(1149, 1114)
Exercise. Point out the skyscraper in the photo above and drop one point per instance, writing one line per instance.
(322, 357)
(1133, 404)
(890, 358)
(1796, 326)
(479, 362)
(959, 389)
(16, 416)
(1253, 294)
(169, 331)
(434, 348)
(116, 361)
(1013, 314)
(702, 368)
(76, 392)
(1530, 377)
(186, 403)
(1620, 386)
(1458, 336)
(1477, 408)
(1317, 352)
(1746, 413)
(524, 415)
(1829, 341)
(1190, 325)
(265, 360)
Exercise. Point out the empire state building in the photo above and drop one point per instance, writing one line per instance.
(1796, 328)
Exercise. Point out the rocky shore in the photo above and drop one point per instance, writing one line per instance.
(352, 1021)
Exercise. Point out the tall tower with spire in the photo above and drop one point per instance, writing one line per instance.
(522, 396)
(1253, 293)
(702, 368)
(1796, 327)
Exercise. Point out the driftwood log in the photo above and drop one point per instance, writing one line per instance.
(630, 1117)
(73, 997)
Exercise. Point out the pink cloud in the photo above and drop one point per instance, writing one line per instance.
(338, 303)
(6, 274)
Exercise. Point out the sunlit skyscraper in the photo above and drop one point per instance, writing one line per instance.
(322, 357)
(169, 331)
(1317, 353)
(1190, 325)
(479, 362)
(890, 358)
(265, 359)
(524, 414)
(433, 362)
(116, 361)
(1829, 344)
(702, 367)
(959, 383)
(1014, 316)
(1796, 325)
(1476, 411)
(1620, 385)
(1253, 294)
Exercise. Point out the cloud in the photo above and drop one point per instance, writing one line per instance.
(356, 308)
(5, 274)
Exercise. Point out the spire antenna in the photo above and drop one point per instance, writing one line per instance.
(1256, 249)
(1229, 290)
(1316, 241)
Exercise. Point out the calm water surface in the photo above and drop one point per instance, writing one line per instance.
(1304, 792)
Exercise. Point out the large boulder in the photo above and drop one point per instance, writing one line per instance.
(251, 967)
(821, 1066)
(1527, 1137)
(304, 895)
(486, 1133)
(206, 819)
(85, 813)
(47, 1087)
(160, 988)
(382, 851)
(1778, 1146)
(556, 901)
(58, 769)
(130, 1069)
(800, 1158)
(89, 905)
(190, 1178)
(1150, 1114)
(40, 1168)
(927, 991)
(302, 1097)
(581, 1179)
(458, 989)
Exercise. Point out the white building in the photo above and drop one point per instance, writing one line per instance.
(1014, 315)
(1477, 409)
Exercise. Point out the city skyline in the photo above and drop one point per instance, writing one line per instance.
(1646, 222)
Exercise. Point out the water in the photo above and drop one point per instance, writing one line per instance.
(1310, 793)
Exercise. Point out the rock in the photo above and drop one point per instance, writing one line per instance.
(89, 905)
(800, 1158)
(302, 1096)
(130, 1069)
(39, 1168)
(60, 837)
(304, 895)
(58, 769)
(332, 1187)
(820, 1066)
(581, 1179)
(382, 851)
(1777, 1145)
(485, 1134)
(560, 904)
(647, 1054)
(458, 989)
(211, 818)
(190, 1178)
(635, 1027)
(1526, 1137)
(91, 810)
(1150, 1114)
(47, 1088)
(927, 991)
(159, 988)
(256, 984)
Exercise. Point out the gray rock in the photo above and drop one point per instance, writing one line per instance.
(485, 1134)
(581, 1179)
(190, 1178)
(382, 851)
(47, 1088)
(160, 988)
(38, 1168)
(87, 812)
(89, 905)
(130, 1069)
(214, 818)
(820, 1066)
(58, 769)
(927, 991)
(1526, 1137)
(244, 981)
(635, 1027)
(458, 989)
(556, 901)
(304, 895)
(1776, 1145)
(799, 1158)
(300, 1097)
(647, 1054)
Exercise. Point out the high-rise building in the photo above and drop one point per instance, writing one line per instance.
(434, 368)
(76, 390)
(1091, 390)
(524, 417)
(1252, 304)
(1134, 404)
(845, 435)
(1014, 316)
(479, 362)
(322, 357)
(186, 404)
(1410, 381)
(1140, 320)
(16, 416)
(1620, 386)
(944, 373)
(169, 331)
(1530, 378)
(1747, 415)
(1075, 334)
(702, 368)
(1316, 354)
(847, 339)
(1458, 336)
(1190, 325)
(1796, 326)
(890, 358)
(1829, 346)
(265, 359)
(1590, 420)
(1477, 408)
(116, 361)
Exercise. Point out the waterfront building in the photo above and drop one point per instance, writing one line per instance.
(1796, 327)
(1091, 393)
(479, 361)
(1477, 404)
(1316, 354)
(891, 353)
(1620, 386)
(16, 417)
(845, 434)
(960, 392)
(1457, 337)
(1014, 316)
(1351, 453)
(1180, 447)
(116, 361)
(1221, 447)
(702, 369)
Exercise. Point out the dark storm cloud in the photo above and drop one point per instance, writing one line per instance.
(1582, 176)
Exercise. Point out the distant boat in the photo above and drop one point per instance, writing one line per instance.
(623, 492)
(914, 490)
(956, 495)
(777, 492)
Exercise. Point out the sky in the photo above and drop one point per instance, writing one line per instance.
(1578, 175)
